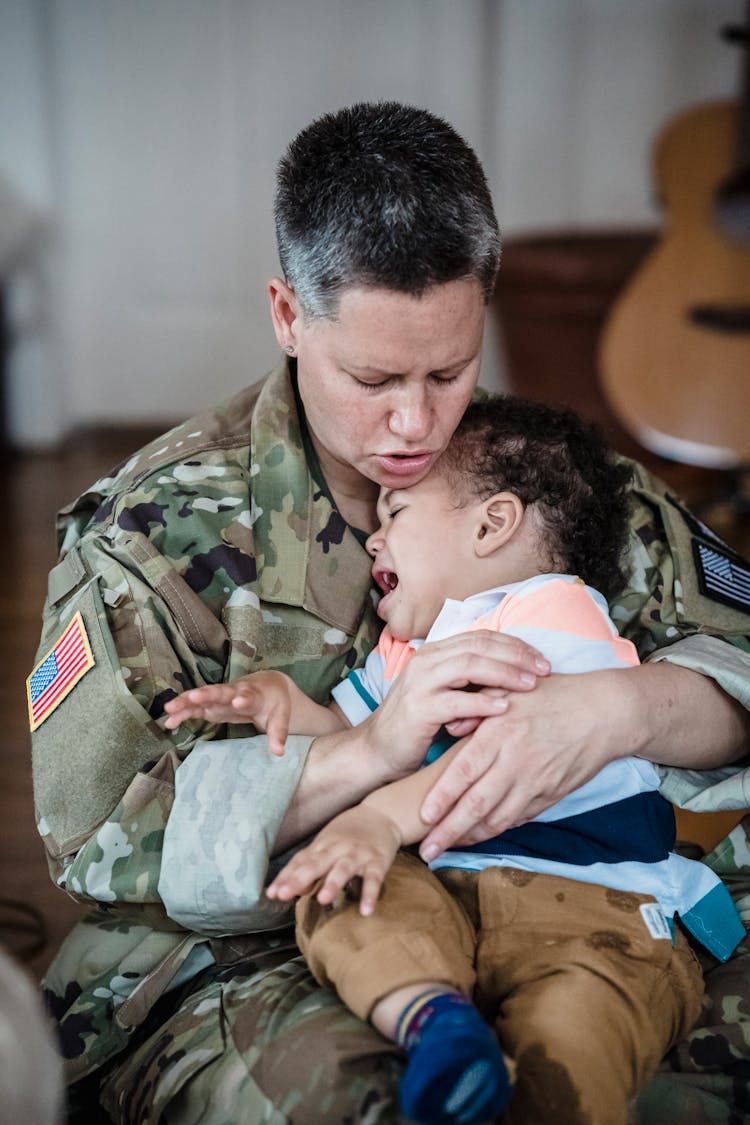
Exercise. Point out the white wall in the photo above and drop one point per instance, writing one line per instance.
(583, 87)
(32, 224)
(147, 133)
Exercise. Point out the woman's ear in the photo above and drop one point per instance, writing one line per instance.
(285, 314)
(499, 519)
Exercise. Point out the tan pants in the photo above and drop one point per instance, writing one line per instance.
(582, 997)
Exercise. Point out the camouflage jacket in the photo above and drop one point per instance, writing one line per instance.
(209, 554)
(212, 553)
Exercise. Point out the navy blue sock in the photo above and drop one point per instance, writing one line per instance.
(455, 1071)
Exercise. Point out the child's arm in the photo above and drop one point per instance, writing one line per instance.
(271, 701)
(362, 841)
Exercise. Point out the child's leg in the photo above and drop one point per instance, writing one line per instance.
(589, 1000)
(417, 935)
(455, 1069)
(409, 968)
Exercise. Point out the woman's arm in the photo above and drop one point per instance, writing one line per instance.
(682, 718)
(570, 727)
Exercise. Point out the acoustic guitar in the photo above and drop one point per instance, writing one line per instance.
(675, 349)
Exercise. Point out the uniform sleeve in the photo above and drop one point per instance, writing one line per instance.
(101, 735)
(683, 582)
(104, 769)
(230, 800)
(687, 601)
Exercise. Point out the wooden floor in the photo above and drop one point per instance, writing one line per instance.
(33, 488)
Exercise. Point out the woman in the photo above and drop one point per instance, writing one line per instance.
(236, 543)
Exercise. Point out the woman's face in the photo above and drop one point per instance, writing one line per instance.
(385, 383)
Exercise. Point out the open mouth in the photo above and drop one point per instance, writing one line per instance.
(387, 580)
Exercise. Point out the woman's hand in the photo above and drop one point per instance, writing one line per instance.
(548, 743)
(359, 842)
(432, 692)
(554, 740)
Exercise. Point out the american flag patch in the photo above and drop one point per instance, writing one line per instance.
(722, 575)
(58, 672)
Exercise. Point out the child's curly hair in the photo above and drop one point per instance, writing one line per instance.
(555, 460)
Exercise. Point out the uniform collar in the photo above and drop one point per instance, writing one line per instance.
(307, 556)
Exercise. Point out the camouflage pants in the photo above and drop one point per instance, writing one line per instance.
(256, 1044)
(268, 1047)
(705, 1079)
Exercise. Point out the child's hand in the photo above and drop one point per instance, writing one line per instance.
(360, 841)
(261, 698)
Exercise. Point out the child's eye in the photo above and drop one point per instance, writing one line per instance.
(394, 512)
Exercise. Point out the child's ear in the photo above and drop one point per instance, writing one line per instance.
(499, 519)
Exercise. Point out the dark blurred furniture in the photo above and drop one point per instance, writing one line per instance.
(553, 295)
(552, 298)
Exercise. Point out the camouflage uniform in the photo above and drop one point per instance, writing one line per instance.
(213, 553)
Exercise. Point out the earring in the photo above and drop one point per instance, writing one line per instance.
(290, 349)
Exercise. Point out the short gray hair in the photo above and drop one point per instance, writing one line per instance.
(382, 194)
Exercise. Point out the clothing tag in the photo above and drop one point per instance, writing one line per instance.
(58, 672)
(655, 919)
(722, 575)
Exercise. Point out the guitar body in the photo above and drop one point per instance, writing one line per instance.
(675, 351)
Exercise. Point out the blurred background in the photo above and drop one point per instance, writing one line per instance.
(138, 143)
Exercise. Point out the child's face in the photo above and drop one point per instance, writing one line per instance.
(423, 553)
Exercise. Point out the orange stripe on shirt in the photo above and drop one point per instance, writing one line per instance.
(396, 654)
(563, 607)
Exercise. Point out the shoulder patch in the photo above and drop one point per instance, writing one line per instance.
(58, 672)
(722, 575)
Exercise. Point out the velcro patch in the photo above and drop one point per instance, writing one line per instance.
(58, 672)
(722, 575)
